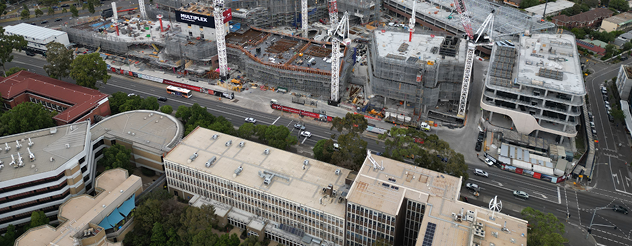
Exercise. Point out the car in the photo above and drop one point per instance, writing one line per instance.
(608, 107)
(65, 5)
(70, 18)
(623, 58)
(478, 146)
(592, 124)
(605, 97)
(480, 172)
(251, 120)
(58, 19)
(471, 186)
(606, 102)
(489, 162)
(620, 209)
(162, 99)
(520, 194)
(44, 22)
(29, 53)
(299, 126)
(306, 134)
(131, 94)
(594, 131)
(481, 136)
(590, 116)
(336, 146)
(610, 118)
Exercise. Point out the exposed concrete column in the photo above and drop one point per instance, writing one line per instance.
(564, 128)
(546, 93)
(562, 139)
(536, 133)
(490, 116)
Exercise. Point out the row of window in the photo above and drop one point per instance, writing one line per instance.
(48, 105)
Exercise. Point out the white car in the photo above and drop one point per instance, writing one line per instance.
(480, 172)
(471, 186)
(336, 146)
(306, 134)
(251, 120)
(131, 95)
(489, 162)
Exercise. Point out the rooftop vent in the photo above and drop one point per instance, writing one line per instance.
(192, 158)
(52, 159)
(12, 161)
(17, 145)
(238, 171)
(267, 151)
(129, 133)
(306, 162)
(53, 130)
(338, 171)
(67, 146)
(1, 166)
(241, 144)
(20, 160)
(30, 143)
(31, 155)
(7, 148)
(228, 143)
(156, 121)
(215, 136)
(133, 134)
(210, 162)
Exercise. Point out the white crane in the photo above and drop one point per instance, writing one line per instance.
(471, 47)
(339, 32)
(220, 33)
(141, 7)
(411, 23)
(304, 16)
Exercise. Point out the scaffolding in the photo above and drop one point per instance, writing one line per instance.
(184, 47)
(95, 40)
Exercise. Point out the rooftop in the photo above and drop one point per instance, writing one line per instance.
(151, 129)
(628, 70)
(586, 16)
(551, 7)
(198, 8)
(51, 148)
(423, 47)
(443, 224)
(620, 19)
(384, 190)
(85, 211)
(550, 61)
(80, 99)
(32, 31)
(290, 180)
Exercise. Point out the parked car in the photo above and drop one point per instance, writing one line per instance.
(610, 118)
(620, 209)
(336, 146)
(65, 5)
(58, 19)
(131, 94)
(489, 162)
(481, 136)
(251, 120)
(479, 146)
(521, 194)
(29, 53)
(592, 124)
(606, 102)
(162, 99)
(44, 22)
(299, 126)
(471, 186)
(306, 134)
(590, 116)
(480, 172)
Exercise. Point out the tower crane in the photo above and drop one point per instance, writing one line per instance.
(220, 33)
(338, 32)
(304, 17)
(411, 24)
(473, 42)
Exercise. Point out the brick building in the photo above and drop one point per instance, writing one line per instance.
(590, 19)
(72, 102)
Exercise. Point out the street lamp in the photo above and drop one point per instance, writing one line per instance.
(593, 218)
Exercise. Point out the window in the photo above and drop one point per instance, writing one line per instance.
(191, 34)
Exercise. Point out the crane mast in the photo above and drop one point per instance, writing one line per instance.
(304, 17)
(220, 33)
(465, 17)
(411, 24)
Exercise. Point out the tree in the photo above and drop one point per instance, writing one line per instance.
(627, 46)
(88, 69)
(352, 149)
(90, 7)
(24, 117)
(150, 103)
(610, 48)
(166, 109)
(195, 220)
(3, 9)
(528, 3)
(26, 13)
(617, 114)
(73, 10)
(247, 130)
(351, 123)
(50, 11)
(117, 156)
(621, 5)
(158, 237)
(323, 150)
(579, 32)
(64, 10)
(59, 60)
(205, 238)
(591, 3)
(546, 229)
(14, 70)
(38, 218)
(279, 137)
(38, 13)
(9, 43)
(9, 236)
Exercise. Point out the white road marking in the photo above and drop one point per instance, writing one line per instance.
(559, 196)
(276, 120)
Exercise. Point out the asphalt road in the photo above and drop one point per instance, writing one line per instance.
(554, 198)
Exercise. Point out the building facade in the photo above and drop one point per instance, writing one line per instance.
(620, 22)
(538, 84)
(116, 191)
(624, 82)
(38, 37)
(589, 19)
(74, 103)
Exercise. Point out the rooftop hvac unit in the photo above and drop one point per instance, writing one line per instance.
(267, 151)
(306, 162)
(238, 171)
(7, 148)
(192, 158)
(215, 136)
(17, 145)
(338, 171)
(241, 144)
(229, 143)
(211, 161)
(30, 143)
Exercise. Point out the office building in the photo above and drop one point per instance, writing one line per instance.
(86, 220)
(73, 103)
(552, 8)
(624, 82)
(37, 37)
(300, 201)
(40, 170)
(537, 84)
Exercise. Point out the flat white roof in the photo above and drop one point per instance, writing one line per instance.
(551, 7)
(395, 45)
(32, 31)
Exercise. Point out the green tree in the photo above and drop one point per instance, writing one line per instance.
(352, 148)
(50, 11)
(610, 48)
(38, 13)
(166, 109)
(9, 236)
(64, 10)
(528, 3)
(247, 130)
(86, 70)
(91, 6)
(579, 32)
(351, 123)
(195, 220)
(117, 156)
(279, 137)
(621, 5)
(323, 150)
(26, 13)
(116, 100)
(14, 70)
(150, 103)
(617, 114)
(59, 60)
(174, 239)
(3, 9)
(8, 44)
(158, 237)
(591, 3)
(251, 241)
(546, 229)
(205, 237)
(38, 218)
(73, 10)
(24, 117)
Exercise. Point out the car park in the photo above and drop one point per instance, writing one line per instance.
(251, 120)
(299, 126)
(65, 5)
(162, 99)
(620, 209)
(521, 194)
(480, 172)
(471, 186)
(306, 134)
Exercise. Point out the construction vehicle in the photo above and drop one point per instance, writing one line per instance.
(376, 113)
(424, 126)
(450, 16)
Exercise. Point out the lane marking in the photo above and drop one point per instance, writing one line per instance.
(276, 120)
(559, 195)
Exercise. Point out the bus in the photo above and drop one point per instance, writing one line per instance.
(179, 91)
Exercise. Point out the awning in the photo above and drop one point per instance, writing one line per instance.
(105, 223)
(115, 217)
(128, 205)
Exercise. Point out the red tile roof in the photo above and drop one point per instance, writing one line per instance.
(81, 98)
(586, 16)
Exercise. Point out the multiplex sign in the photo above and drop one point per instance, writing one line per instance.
(201, 20)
